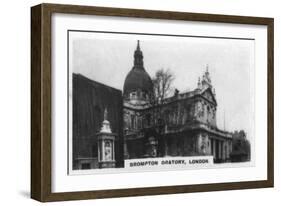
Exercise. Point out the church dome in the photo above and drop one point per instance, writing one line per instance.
(138, 78)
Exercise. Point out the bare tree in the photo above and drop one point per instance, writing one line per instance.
(162, 85)
(162, 88)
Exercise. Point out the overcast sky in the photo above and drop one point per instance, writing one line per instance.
(107, 58)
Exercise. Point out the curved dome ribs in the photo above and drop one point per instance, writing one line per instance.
(137, 79)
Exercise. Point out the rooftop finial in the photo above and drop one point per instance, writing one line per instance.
(138, 57)
(206, 79)
(138, 45)
(199, 82)
(105, 114)
(105, 124)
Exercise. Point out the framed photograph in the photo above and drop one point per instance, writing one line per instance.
(132, 102)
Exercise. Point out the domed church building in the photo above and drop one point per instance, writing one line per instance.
(185, 126)
(137, 91)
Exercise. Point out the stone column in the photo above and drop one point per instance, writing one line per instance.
(219, 149)
(226, 150)
(214, 148)
(223, 150)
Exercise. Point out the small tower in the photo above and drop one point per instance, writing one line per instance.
(138, 57)
(206, 79)
(106, 139)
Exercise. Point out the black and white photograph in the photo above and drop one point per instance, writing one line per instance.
(134, 102)
(152, 102)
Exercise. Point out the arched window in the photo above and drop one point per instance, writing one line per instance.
(133, 95)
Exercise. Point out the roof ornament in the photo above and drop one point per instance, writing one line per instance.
(199, 83)
(206, 76)
(205, 81)
(105, 124)
(176, 92)
(138, 45)
(105, 114)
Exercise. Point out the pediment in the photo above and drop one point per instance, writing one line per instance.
(209, 95)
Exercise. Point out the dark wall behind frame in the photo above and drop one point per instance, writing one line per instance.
(41, 101)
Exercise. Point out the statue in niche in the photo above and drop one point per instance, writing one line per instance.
(204, 144)
(200, 109)
(107, 151)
